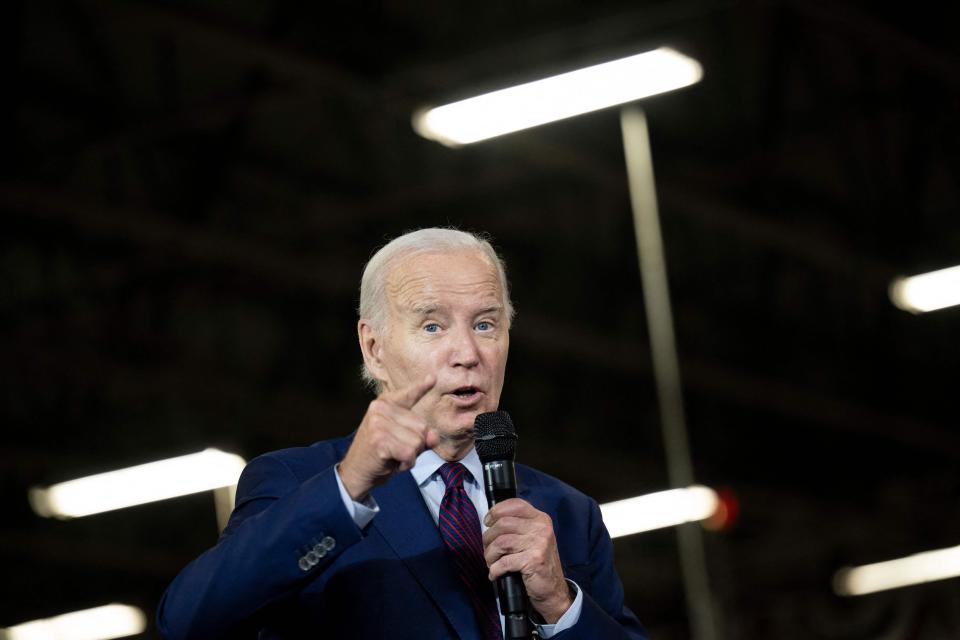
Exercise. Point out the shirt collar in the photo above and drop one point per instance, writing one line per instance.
(429, 462)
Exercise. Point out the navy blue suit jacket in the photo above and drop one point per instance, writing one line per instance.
(392, 579)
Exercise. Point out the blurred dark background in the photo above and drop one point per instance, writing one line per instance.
(190, 191)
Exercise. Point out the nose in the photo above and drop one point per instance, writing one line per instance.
(464, 352)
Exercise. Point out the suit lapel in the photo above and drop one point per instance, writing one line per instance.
(406, 525)
(523, 491)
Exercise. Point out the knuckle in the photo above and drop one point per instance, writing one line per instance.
(382, 424)
(378, 437)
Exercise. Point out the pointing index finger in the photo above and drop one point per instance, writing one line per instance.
(410, 396)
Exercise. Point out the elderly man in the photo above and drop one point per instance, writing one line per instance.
(341, 539)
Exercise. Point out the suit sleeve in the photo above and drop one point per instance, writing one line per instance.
(604, 615)
(280, 535)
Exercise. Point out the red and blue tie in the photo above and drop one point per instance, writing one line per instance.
(460, 530)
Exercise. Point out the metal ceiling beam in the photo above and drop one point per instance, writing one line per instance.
(64, 550)
(249, 48)
(885, 38)
(204, 247)
(198, 245)
(552, 337)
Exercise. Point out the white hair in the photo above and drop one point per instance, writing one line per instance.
(373, 296)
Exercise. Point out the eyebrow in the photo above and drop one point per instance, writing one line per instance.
(426, 309)
(494, 309)
(429, 309)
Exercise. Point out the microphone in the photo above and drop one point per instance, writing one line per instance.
(496, 440)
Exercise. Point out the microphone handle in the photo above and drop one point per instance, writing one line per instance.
(500, 483)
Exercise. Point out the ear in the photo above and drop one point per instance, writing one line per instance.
(371, 346)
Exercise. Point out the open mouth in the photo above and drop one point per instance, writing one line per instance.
(465, 393)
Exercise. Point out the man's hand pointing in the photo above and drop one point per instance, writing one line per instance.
(389, 439)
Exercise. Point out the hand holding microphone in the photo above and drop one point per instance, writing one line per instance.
(519, 546)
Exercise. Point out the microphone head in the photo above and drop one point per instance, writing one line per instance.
(494, 436)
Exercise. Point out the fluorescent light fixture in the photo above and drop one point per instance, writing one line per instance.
(100, 623)
(208, 469)
(928, 291)
(916, 569)
(557, 97)
(659, 510)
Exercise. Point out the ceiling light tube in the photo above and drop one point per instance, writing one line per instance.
(99, 623)
(892, 574)
(557, 97)
(659, 510)
(928, 291)
(203, 471)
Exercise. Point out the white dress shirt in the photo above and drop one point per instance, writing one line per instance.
(426, 474)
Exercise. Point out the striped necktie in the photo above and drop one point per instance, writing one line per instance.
(460, 530)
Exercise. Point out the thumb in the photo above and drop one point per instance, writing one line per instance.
(432, 439)
(411, 395)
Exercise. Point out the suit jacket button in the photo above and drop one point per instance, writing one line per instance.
(304, 564)
(320, 550)
(328, 543)
(312, 557)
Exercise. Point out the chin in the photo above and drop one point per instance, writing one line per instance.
(459, 427)
(456, 423)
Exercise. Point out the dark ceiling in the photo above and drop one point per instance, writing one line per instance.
(190, 191)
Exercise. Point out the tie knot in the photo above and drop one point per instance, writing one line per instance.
(453, 474)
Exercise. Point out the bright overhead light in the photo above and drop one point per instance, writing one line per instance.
(659, 510)
(916, 569)
(208, 469)
(100, 623)
(928, 291)
(557, 97)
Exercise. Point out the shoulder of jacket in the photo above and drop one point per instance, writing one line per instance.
(304, 462)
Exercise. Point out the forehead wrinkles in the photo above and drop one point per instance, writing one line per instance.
(408, 287)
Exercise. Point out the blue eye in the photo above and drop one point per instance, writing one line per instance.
(484, 326)
(433, 327)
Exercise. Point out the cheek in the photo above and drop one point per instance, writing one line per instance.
(498, 363)
(415, 364)
(501, 356)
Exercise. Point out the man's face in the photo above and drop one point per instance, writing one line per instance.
(445, 317)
